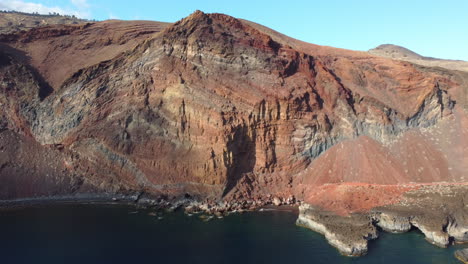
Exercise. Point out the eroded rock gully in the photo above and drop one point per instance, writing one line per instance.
(225, 110)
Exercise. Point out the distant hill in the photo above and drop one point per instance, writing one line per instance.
(11, 21)
(395, 52)
(401, 53)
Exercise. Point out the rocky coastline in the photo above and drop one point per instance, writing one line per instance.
(443, 221)
(190, 205)
(350, 234)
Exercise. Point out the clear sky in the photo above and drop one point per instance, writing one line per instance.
(436, 28)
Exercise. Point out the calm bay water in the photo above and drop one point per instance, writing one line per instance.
(112, 234)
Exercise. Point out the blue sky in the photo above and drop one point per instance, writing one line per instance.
(431, 28)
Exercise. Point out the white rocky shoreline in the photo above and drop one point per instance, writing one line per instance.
(443, 221)
(350, 234)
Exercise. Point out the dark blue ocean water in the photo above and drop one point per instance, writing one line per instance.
(111, 234)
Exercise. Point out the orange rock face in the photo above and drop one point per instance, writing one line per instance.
(226, 109)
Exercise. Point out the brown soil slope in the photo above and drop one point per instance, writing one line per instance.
(218, 107)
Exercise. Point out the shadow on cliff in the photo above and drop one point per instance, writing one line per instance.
(240, 156)
(44, 87)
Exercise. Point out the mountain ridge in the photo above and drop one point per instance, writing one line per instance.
(280, 82)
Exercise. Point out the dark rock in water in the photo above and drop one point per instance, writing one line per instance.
(462, 255)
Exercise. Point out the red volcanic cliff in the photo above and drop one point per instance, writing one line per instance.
(219, 108)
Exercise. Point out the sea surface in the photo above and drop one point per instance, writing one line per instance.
(122, 234)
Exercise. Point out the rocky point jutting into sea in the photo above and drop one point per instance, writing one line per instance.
(222, 114)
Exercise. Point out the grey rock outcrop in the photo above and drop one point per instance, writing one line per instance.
(458, 227)
(349, 234)
(392, 222)
(433, 229)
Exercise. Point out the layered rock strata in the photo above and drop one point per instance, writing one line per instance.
(226, 110)
(216, 106)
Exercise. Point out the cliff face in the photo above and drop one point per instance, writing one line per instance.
(218, 108)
